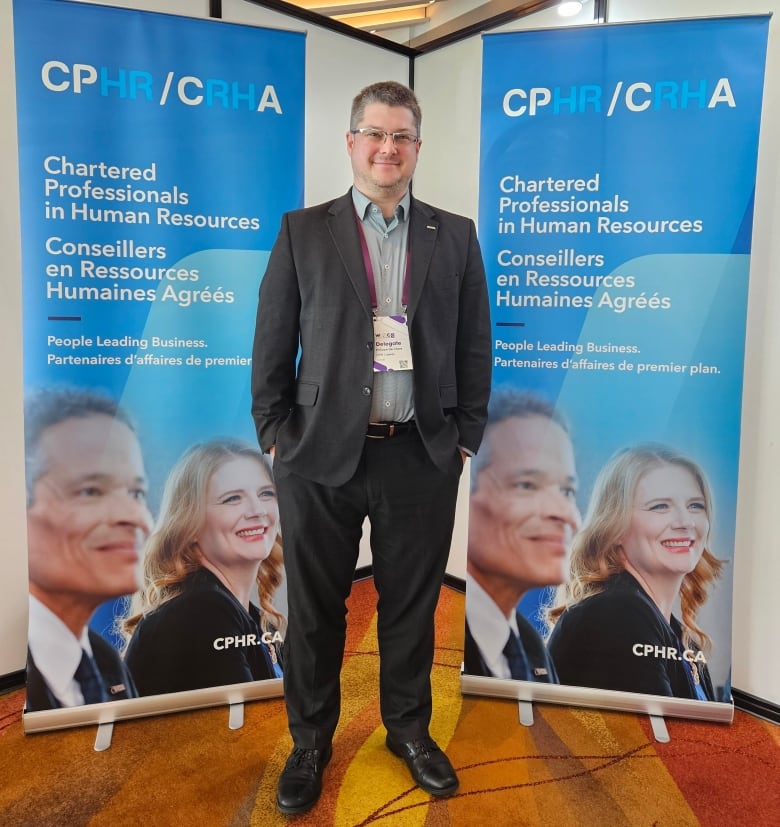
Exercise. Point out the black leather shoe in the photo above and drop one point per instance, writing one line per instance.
(300, 782)
(429, 766)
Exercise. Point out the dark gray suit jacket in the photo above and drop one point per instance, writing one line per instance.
(315, 294)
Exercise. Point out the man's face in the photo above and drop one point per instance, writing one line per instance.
(381, 169)
(523, 511)
(88, 518)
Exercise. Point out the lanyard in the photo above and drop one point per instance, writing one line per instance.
(370, 269)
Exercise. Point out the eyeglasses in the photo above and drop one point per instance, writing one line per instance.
(379, 136)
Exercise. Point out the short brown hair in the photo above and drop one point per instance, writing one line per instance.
(390, 93)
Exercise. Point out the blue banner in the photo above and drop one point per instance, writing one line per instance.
(616, 202)
(157, 154)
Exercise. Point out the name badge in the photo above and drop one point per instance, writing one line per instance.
(392, 349)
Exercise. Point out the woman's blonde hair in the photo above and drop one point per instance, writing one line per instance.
(172, 551)
(597, 552)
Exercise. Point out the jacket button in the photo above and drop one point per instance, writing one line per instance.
(366, 391)
(369, 345)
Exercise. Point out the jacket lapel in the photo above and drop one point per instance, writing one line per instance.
(39, 696)
(423, 232)
(342, 224)
(116, 681)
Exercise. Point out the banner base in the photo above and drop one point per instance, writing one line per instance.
(103, 737)
(526, 712)
(657, 705)
(107, 713)
(236, 716)
(660, 731)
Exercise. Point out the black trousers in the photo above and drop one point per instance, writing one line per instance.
(411, 507)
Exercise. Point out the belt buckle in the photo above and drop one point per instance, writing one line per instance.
(388, 426)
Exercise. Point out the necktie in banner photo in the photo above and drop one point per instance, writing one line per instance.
(88, 678)
(513, 652)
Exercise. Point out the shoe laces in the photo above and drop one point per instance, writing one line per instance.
(425, 747)
(304, 756)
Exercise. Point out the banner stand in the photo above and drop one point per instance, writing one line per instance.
(148, 319)
(103, 738)
(659, 729)
(526, 713)
(111, 711)
(657, 706)
(236, 719)
(105, 730)
(611, 615)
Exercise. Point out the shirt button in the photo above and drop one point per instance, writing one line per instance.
(366, 391)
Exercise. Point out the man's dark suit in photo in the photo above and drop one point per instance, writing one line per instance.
(352, 441)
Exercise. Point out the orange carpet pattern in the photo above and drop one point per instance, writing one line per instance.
(573, 767)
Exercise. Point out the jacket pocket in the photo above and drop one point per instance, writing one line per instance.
(445, 280)
(306, 393)
(448, 394)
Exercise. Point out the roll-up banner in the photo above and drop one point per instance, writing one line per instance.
(157, 154)
(617, 177)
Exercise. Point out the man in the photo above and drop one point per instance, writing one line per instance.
(86, 522)
(523, 514)
(386, 297)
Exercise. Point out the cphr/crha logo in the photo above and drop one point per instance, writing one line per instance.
(134, 84)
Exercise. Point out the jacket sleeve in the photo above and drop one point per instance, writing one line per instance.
(275, 349)
(473, 354)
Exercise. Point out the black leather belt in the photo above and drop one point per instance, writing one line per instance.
(383, 430)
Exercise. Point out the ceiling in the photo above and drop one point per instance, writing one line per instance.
(419, 24)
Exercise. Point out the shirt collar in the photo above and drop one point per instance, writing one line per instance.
(363, 202)
(54, 648)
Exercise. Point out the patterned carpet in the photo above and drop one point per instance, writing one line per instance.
(573, 767)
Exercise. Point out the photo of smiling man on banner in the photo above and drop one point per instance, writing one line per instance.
(87, 521)
(522, 517)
